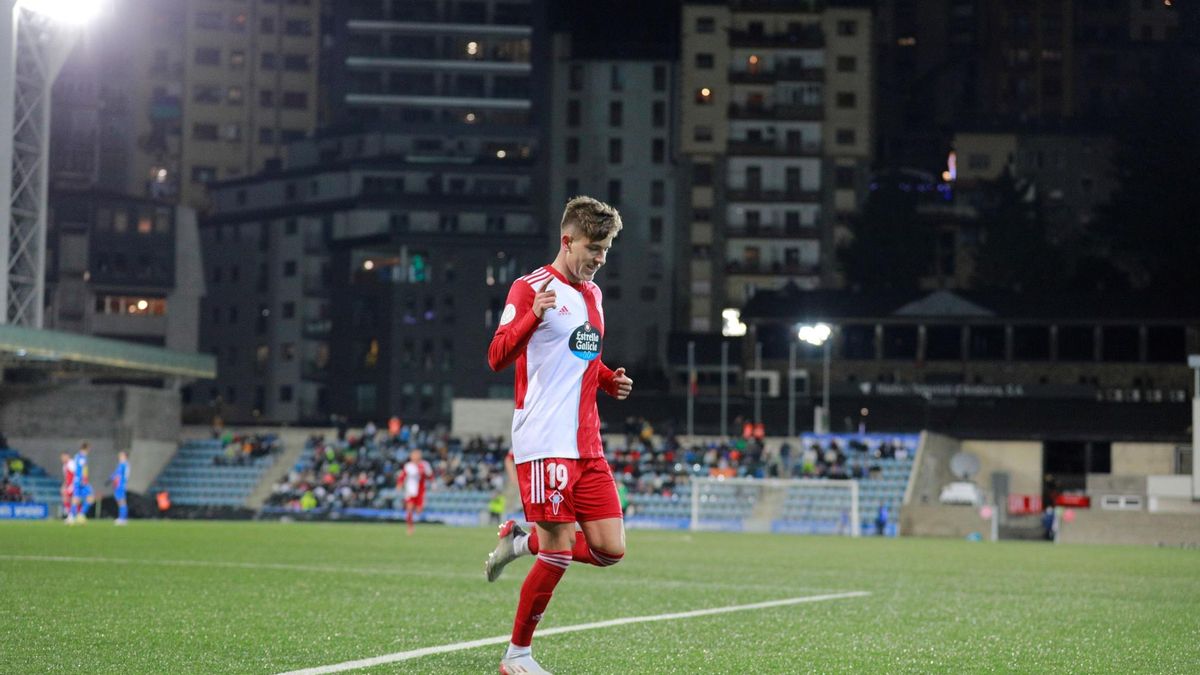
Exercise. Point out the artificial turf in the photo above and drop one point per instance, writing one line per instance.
(248, 597)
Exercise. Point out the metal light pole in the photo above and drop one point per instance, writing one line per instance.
(36, 36)
(758, 382)
(818, 335)
(1194, 364)
(791, 383)
(724, 388)
(691, 396)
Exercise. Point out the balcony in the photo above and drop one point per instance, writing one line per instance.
(804, 113)
(744, 195)
(811, 38)
(771, 232)
(780, 74)
(754, 268)
(772, 149)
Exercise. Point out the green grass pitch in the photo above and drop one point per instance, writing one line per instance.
(214, 597)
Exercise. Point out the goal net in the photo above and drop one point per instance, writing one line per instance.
(800, 505)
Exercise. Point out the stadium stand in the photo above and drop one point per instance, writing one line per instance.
(35, 484)
(217, 472)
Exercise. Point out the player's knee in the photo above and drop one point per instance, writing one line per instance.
(606, 558)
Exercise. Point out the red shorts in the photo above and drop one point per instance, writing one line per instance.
(560, 490)
(417, 503)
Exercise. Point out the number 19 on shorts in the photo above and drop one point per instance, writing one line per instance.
(557, 476)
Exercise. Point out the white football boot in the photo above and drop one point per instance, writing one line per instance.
(504, 552)
(522, 665)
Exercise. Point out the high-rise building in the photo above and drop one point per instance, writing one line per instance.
(381, 251)
(210, 90)
(776, 130)
(613, 138)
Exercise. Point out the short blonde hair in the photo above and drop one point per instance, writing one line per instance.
(593, 218)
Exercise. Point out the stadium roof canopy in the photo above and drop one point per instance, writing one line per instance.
(87, 356)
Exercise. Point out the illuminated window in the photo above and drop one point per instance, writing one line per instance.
(704, 96)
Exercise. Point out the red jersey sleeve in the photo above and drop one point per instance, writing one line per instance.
(517, 324)
(605, 380)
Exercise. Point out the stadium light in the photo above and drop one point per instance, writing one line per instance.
(72, 12)
(818, 335)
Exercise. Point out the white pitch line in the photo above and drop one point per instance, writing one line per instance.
(503, 639)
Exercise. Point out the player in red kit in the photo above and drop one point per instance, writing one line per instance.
(68, 486)
(551, 331)
(412, 478)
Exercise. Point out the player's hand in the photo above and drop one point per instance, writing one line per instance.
(623, 382)
(544, 299)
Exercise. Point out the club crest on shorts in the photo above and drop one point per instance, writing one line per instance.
(585, 342)
(556, 500)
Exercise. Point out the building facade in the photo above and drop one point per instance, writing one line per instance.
(776, 134)
(613, 138)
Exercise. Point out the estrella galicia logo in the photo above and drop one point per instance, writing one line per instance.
(585, 342)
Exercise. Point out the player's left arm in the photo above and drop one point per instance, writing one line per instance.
(615, 383)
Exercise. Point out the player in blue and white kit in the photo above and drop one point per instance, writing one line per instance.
(82, 499)
(119, 480)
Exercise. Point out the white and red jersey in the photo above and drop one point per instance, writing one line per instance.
(414, 477)
(558, 367)
(68, 471)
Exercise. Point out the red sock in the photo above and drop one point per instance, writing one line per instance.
(535, 593)
(409, 518)
(581, 552)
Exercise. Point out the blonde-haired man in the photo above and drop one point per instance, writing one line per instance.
(551, 329)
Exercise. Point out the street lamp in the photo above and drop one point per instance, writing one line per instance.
(817, 335)
(35, 38)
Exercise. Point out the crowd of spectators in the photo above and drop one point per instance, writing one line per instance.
(241, 449)
(362, 470)
(10, 492)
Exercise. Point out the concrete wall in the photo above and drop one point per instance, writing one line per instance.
(1131, 527)
(42, 421)
(924, 520)
(1100, 484)
(931, 469)
(481, 416)
(1143, 459)
(1022, 460)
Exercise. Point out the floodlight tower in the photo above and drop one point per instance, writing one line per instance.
(35, 38)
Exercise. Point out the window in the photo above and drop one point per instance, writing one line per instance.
(658, 113)
(847, 64)
(702, 174)
(658, 193)
(575, 78)
(614, 192)
(648, 294)
(847, 28)
(207, 56)
(704, 96)
(297, 27)
(292, 135)
(658, 151)
(297, 63)
(232, 314)
(266, 98)
(267, 61)
(614, 151)
(979, 161)
(846, 99)
(660, 78)
(573, 112)
(208, 20)
(237, 59)
(572, 150)
(572, 187)
(266, 25)
(615, 113)
(204, 132)
(231, 133)
(702, 134)
(289, 268)
(706, 24)
(295, 100)
(285, 393)
(287, 351)
(266, 136)
(237, 23)
(705, 61)
(656, 230)
(616, 78)
(291, 226)
(845, 136)
(206, 93)
(844, 177)
(234, 95)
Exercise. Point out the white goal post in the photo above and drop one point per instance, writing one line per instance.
(796, 505)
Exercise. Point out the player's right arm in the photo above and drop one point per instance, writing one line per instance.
(522, 314)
